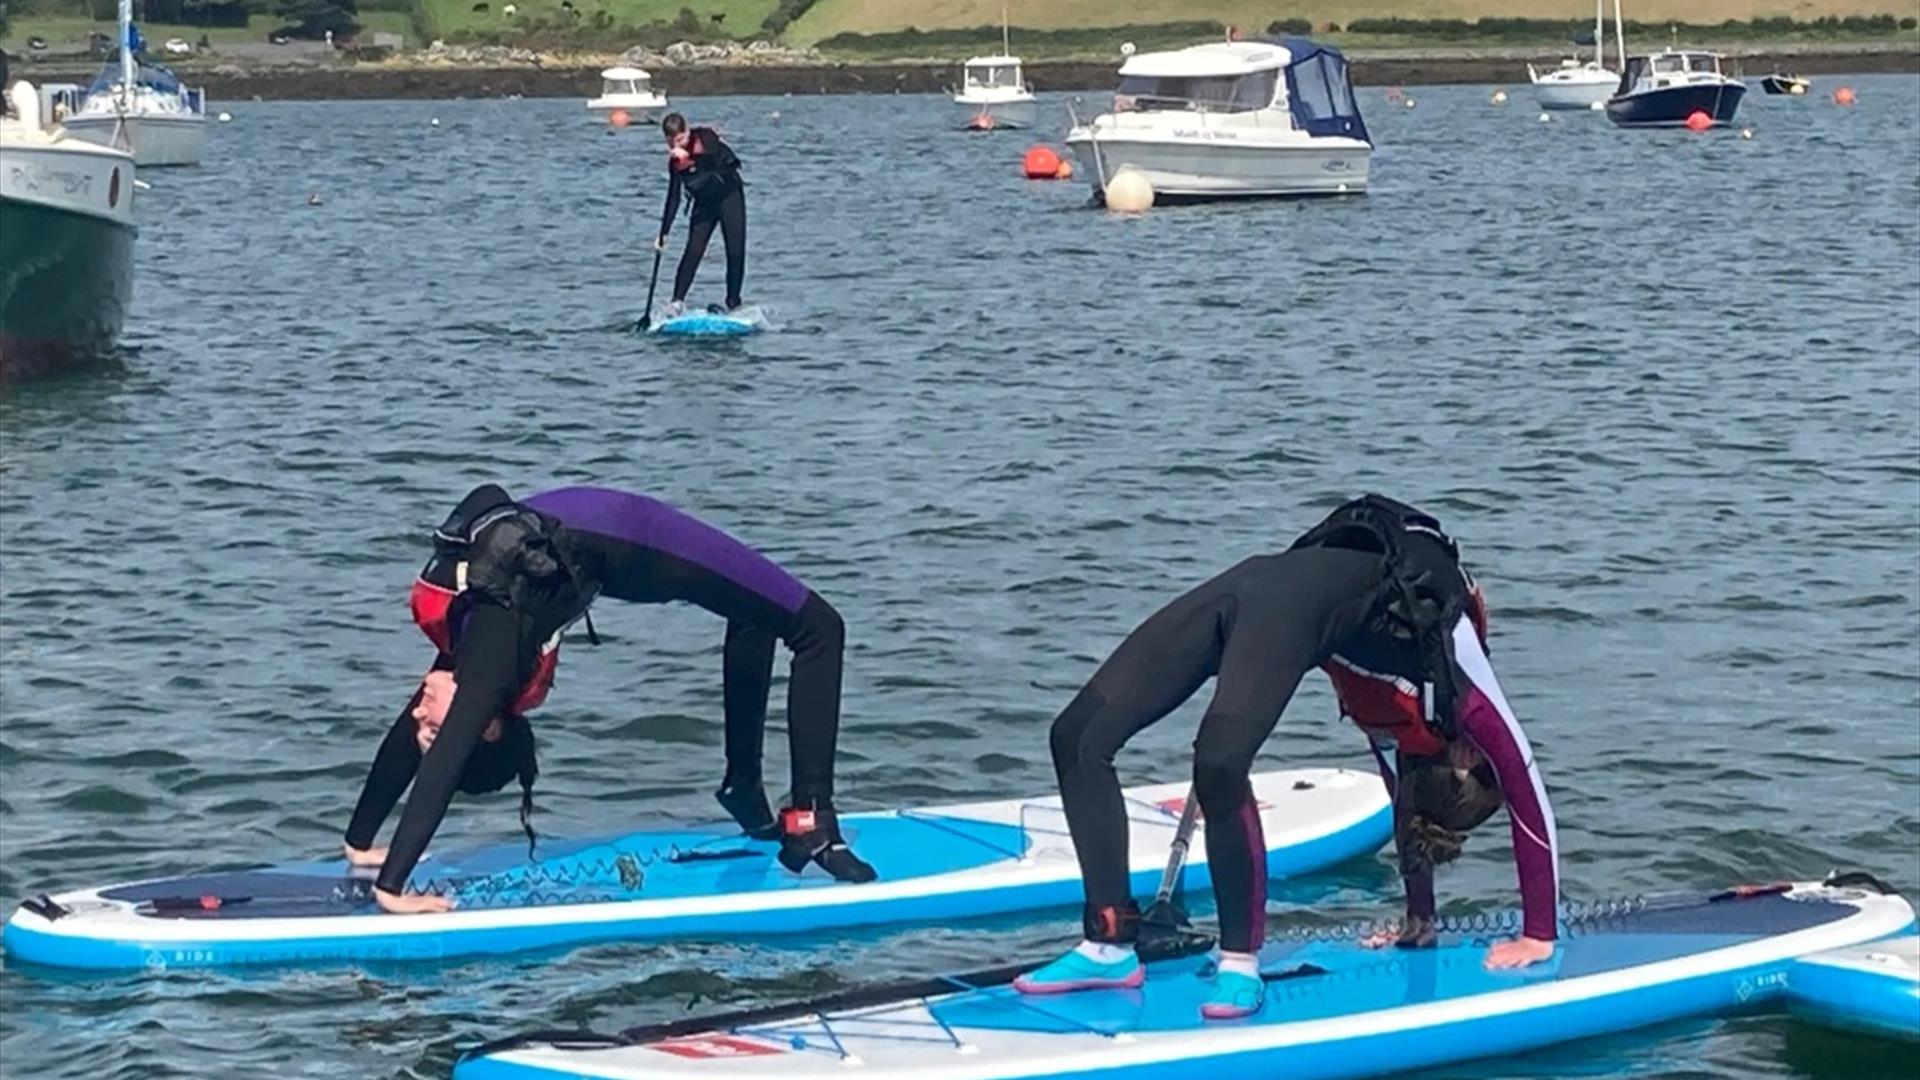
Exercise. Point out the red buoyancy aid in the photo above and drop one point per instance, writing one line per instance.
(1388, 707)
(432, 604)
(436, 599)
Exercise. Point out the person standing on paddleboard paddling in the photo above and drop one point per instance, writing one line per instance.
(706, 172)
(506, 578)
(1376, 596)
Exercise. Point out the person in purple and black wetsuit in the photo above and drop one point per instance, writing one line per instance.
(1375, 596)
(507, 578)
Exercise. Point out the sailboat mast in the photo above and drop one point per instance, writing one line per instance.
(1599, 33)
(1006, 42)
(1620, 36)
(126, 48)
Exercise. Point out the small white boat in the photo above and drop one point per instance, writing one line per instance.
(993, 91)
(629, 89)
(994, 94)
(1577, 85)
(139, 106)
(1237, 118)
(66, 241)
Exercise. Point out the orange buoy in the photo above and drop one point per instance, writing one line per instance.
(619, 118)
(1041, 163)
(1065, 171)
(1698, 121)
(1843, 95)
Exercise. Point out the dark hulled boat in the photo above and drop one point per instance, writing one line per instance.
(1663, 89)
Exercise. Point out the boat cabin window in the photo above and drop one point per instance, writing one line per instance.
(1669, 64)
(1224, 94)
(994, 76)
(1703, 62)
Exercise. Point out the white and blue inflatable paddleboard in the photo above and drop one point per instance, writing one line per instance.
(936, 865)
(1873, 988)
(1334, 1008)
(747, 320)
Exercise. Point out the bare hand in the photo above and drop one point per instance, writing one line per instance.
(373, 856)
(1416, 934)
(1380, 939)
(411, 903)
(1518, 953)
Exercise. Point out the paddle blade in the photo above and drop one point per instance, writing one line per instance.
(1166, 933)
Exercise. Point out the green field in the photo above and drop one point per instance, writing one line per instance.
(454, 18)
(829, 17)
(878, 30)
(1103, 43)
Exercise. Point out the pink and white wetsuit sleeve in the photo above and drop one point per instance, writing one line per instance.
(1485, 718)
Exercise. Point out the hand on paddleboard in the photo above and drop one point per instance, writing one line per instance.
(1417, 934)
(411, 903)
(373, 856)
(1518, 953)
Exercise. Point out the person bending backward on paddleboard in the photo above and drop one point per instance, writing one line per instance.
(506, 578)
(1377, 598)
(707, 172)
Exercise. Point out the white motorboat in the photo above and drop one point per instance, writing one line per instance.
(139, 106)
(629, 89)
(66, 241)
(993, 91)
(1235, 118)
(994, 94)
(1577, 85)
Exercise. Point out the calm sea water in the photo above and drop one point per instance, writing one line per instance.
(1663, 386)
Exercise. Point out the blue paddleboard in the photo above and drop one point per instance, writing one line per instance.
(1873, 988)
(1333, 1008)
(747, 320)
(935, 864)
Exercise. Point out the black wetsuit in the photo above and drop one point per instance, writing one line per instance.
(1260, 627)
(712, 185)
(641, 550)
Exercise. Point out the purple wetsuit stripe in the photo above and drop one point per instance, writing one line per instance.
(1257, 855)
(1490, 724)
(651, 523)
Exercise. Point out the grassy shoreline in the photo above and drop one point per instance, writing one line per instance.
(1487, 36)
(580, 80)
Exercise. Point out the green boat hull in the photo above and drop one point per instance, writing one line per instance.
(66, 280)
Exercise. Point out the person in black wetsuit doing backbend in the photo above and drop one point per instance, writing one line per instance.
(1375, 596)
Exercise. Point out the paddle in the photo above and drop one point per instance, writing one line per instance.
(860, 997)
(1164, 928)
(646, 317)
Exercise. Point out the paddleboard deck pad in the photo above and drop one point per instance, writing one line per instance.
(1873, 988)
(746, 320)
(937, 864)
(1333, 1007)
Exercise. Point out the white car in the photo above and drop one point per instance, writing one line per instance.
(177, 46)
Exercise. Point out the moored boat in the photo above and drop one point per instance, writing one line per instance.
(66, 242)
(1665, 89)
(1235, 118)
